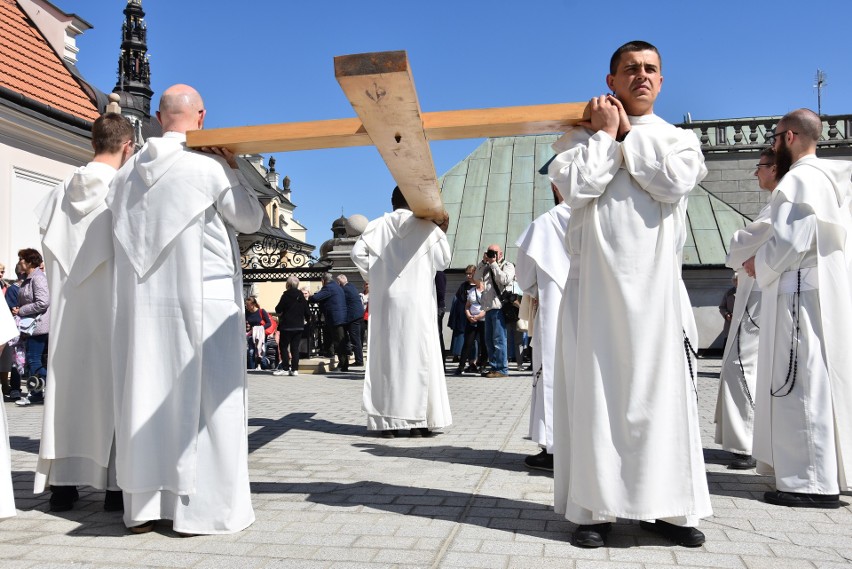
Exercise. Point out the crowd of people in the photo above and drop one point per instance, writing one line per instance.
(597, 288)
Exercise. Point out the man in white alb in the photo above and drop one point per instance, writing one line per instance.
(78, 426)
(404, 386)
(803, 428)
(735, 401)
(541, 271)
(625, 436)
(179, 330)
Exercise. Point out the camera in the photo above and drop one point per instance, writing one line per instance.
(491, 254)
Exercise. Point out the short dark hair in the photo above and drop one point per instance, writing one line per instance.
(769, 154)
(31, 257)
(631, 46)
(109, 132)
(398, 200)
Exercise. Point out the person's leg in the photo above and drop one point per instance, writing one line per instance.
(355, 342)
(469, 338)
(295, 338)
(286, 351)
(36, 349)
(341, 342)
(489, 336)
(500, 361)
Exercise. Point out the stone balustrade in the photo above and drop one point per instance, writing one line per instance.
(733, 135)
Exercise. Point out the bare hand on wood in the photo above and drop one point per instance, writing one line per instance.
(229, 156)
(623, 121)
(603, 116)
(749, 267)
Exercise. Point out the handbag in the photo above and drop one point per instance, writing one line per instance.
(27, 324)
(507, 301)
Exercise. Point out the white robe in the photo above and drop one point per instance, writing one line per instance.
(179, 361)
(78, 424)
(8, 330)
(735, 401)
(404, 385)
(806, 436)
(541, 271)
(626, 437)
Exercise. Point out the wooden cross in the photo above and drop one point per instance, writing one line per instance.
(381, 89)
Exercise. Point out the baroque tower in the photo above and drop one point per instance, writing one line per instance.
(134, 72)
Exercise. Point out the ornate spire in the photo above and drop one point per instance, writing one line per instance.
(134, 72)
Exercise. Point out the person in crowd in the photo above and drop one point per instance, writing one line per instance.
(33, 310)
(78, 425)
(803, 430)
(457, 321)
(497, 275)
(735, 402)
(474, 332)
(626, 439)
(332, 302)
(257, 321)
(354, 318)
(405, 386)
(8, 331)
(440, 295)
(542, 269)
(293, 313)
(178, 324)
(13, 358)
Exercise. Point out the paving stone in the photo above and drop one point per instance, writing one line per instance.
(327, 496)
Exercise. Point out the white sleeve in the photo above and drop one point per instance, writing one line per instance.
(239, 207)
(583, 172)
(665, 169)
(793, 230)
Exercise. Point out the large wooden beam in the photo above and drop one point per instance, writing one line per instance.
(440, 125)
(381, 90)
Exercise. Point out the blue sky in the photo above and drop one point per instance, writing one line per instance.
(268, 61)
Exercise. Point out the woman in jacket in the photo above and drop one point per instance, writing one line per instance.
(293, 312)
(34, 303)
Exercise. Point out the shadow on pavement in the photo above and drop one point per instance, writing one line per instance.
(491, 458)
(271, 429)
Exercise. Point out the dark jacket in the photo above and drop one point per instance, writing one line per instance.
(332, 303)
(293, 310)
(354, 306)
(441, 291)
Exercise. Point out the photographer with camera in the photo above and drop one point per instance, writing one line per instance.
(497, 275)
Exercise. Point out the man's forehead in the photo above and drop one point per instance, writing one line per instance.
(643, 56)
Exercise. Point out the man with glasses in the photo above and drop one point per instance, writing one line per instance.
(497, 275)
(735, 401)
(78, 425)
(625, 436)
(803, 429)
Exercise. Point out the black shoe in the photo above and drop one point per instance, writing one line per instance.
(113, 501)
(62, 498)
(681, 535)
(541, 461)
(472, 369)
(802, 500)
(458, 371)
(742, 462)
(591, 536)
(13, 396)
(388, 434)
(415, 433)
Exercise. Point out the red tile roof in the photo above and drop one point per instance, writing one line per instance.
(28, 65)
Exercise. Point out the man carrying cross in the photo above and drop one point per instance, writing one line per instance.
(625, 436)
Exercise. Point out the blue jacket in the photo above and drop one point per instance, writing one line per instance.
(354, 306)
(332, 303)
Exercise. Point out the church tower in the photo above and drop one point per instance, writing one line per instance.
(134, 72)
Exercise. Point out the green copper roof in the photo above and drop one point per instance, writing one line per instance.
(496, 192)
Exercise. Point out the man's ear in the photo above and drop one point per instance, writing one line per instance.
(610, 83)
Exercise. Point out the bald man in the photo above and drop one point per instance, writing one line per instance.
(803, 428)
(179, 334)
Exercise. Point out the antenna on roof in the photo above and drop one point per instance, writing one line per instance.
(821, 81)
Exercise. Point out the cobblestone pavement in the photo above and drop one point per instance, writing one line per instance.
(328, 496)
